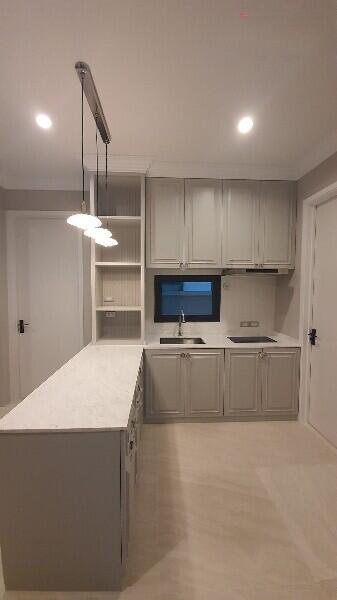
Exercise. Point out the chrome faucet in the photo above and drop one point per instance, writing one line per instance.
(181, 321)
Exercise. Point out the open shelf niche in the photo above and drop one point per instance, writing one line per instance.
(117, 273)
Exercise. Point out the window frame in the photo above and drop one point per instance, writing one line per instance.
(216, 298)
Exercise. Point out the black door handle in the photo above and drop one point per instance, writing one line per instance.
(21, 326)
(312, 336)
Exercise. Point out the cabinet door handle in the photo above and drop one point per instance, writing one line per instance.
(188, 355)
(263, 355)
(182, 355)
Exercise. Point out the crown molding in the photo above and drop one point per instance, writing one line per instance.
(218, 170)
(118, 163)
(71, 184)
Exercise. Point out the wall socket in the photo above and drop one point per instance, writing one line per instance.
(249, 323)
(110, 315)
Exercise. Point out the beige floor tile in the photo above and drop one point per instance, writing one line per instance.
(210, 516)
(306, 496)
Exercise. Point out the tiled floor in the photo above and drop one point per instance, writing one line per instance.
(231, 511)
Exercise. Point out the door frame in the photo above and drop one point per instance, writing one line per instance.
(11, 218)
(310, 205)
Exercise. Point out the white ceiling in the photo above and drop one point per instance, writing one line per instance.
(173, 77)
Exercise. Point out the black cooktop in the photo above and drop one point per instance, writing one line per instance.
(251, 340)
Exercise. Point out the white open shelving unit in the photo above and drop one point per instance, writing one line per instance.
(118, 273)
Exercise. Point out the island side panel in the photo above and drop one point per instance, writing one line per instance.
(60, 513)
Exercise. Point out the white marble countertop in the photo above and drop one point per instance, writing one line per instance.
(92, 391)
(223, 341)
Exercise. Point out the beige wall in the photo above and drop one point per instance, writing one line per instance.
(35, 200)
(288, 289)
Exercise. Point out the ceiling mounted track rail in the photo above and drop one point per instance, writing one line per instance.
(91, 94)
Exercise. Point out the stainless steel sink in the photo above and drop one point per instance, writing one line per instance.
(181, 340)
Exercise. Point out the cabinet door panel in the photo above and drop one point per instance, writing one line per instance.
(203, 221)
(242, 382)
(165, 222)
(280, 381)
(204, 371)
(277, 227)
(240, 223)
(164, 393)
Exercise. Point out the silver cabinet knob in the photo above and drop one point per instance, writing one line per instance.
(188, 355)
(183, 355)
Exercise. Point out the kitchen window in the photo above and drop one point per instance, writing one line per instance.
(197, 296)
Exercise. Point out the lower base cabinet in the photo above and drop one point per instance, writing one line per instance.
(183, 384)
(247, 383)
(261, 382)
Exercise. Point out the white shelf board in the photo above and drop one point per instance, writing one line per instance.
(106, 263)
(113, 308)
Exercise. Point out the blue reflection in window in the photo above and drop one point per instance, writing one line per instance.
(191, 297)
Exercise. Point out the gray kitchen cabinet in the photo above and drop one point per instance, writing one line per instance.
(204, 371)
(164, 384)
(240, 223)
(165, 210)
(242, 382)
(184, 383)
(280, 381)
(277, 226)
(261, 382)
(258, 224)
(203, 210)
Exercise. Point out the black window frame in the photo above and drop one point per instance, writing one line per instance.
(216, 298)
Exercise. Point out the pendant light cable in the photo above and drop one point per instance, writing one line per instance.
(97, 190)
(84, 207)
(106, 180)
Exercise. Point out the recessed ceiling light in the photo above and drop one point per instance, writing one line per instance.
(43, 121)
(245, 124)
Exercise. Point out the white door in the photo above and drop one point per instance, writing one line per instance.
(203, 219)
(46, 292)
(323, 382)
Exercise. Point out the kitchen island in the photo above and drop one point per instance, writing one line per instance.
(68, 464)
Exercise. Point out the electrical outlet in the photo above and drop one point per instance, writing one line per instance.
(249, 323)
(108, 299)
(110, 315)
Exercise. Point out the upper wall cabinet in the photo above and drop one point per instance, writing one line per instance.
(165, 223)
(258, 224)
(184, 225)
(203, 210)
(277, 222)
(240, 223)
(207, 223)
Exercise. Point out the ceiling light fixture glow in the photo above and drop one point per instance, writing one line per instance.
(43, 121)
(245, 125)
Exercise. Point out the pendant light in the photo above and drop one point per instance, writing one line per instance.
(98, 233)
(110, 241)
(83, 220)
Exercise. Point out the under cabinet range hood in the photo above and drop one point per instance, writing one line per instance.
(257, 271)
